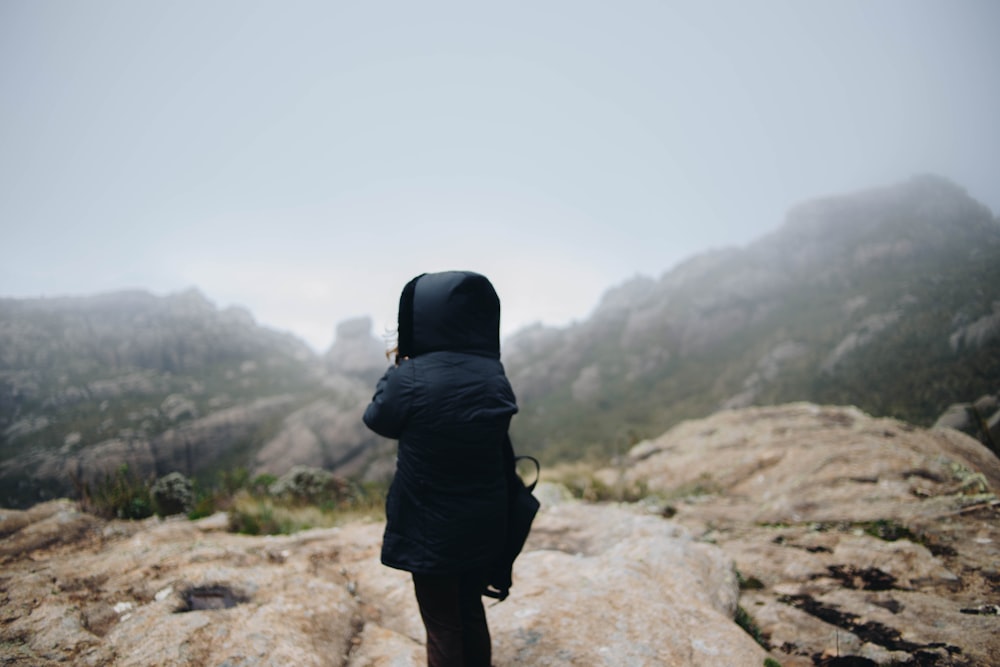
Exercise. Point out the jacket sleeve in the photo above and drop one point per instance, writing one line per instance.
(389, 409)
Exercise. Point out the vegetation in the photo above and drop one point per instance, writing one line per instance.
(884, 334)
(255, 505)
(765, 324)
(586, 483)
(131, 367)
(748, 583)
(119, 495)
(745, 621)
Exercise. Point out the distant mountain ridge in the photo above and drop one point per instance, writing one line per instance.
(887, 299)
(170, 383)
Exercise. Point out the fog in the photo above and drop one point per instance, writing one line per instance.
(305, 159)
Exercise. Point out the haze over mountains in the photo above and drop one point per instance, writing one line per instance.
(887, 299)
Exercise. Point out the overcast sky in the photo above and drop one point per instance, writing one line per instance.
(306, 159)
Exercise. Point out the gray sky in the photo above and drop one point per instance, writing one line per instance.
(306, 159)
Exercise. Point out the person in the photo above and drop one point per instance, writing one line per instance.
(449, 404)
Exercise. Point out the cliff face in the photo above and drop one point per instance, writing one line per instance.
(885, 299)
(164, 384)
(823, 530)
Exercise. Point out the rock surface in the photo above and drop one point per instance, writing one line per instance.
(597, 586)
(844, 539)
(980, 419)
(852, 535)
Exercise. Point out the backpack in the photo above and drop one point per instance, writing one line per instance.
(522, 507)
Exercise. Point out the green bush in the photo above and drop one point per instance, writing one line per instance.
(745, 621)
(172, 494)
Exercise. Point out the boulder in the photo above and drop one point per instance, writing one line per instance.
(853, 536)
(980, 419)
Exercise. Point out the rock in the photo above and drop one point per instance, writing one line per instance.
(191, 447)
(987, 405)
(664, 597)
(356, 352)
(90, 383)
(587, 385)
(980, 419)
(958, 417)
(379, 647)
(596, 584)
(859, 536)
(766, 370)
(176, 406)
(330, 434)
(860, 540)
(47, 526)
(867, 331)
(984, 330)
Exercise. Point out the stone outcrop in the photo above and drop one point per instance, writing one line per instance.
(356, 352)
(888, 299)
(88, 384)
(596, 585)
(329, 433)
(159, 384)
(837, 538)
(853, 536)
(980, 419)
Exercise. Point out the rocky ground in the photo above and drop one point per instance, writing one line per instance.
(853, 536)
(599, 586)
(839, 539)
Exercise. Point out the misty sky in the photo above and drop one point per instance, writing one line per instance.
(306, 159)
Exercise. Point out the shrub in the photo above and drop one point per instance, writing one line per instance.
(305, 485)
(172, 494)
(586, 483)
(121, 495)
(264, 516)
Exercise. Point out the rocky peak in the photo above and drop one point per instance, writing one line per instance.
(927, 213)
(882, 298)
(355, 351)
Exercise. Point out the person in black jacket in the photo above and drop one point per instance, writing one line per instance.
(449, 403)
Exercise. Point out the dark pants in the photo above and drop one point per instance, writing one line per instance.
(452, 609)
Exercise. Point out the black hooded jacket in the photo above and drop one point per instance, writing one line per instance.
(449, 404)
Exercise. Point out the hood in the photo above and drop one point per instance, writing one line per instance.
(452, 310)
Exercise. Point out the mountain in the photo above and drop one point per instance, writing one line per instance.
(887, 299)
(171, 383)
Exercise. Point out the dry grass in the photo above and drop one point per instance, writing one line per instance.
(592, 484)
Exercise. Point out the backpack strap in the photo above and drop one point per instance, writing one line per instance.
(538, 469)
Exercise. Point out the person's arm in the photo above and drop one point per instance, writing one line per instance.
(387, 413)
